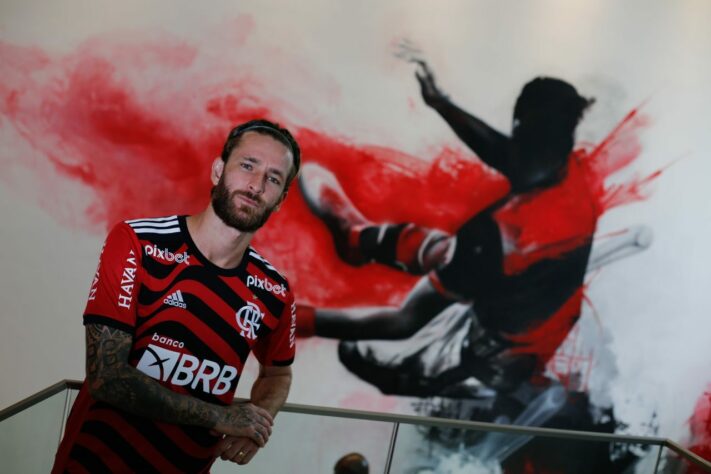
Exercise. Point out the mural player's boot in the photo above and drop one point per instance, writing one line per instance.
(328, 201)
(367, 368)
(400, 378)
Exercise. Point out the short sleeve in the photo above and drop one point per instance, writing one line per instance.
(278, 348)
(114, 288)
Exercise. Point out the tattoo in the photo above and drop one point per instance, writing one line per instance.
(111, 379)
(242, 415)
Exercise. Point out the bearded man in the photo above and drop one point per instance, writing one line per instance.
(176, 306)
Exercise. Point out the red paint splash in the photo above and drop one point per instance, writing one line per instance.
(545, 338)
(138, 124)
(700, 425)
(570, 364)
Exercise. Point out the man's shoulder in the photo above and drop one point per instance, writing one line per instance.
(258, 260)
(145, 226)
(149, 231)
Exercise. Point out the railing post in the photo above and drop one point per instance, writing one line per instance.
(659, 457)
(65, 413)
(391, 448)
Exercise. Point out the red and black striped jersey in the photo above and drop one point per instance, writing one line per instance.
(193, 325)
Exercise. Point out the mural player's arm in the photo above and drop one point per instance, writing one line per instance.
(491, 146)
(111, 379)
(422, 304)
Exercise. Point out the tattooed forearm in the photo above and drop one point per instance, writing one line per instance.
(113, 380)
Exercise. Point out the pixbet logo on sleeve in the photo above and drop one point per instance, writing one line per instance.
(167, 255)
(266, 285)
(184, 369)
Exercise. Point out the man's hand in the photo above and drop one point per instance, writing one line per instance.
(430, 92)
(247, 420)
(269, 391)
(237, 449)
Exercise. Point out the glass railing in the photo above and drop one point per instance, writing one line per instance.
(311, 439)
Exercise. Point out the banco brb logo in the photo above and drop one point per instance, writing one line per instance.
(186, 370)
(249, 319)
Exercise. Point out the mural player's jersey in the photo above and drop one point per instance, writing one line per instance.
(521, 264)
(193, 326)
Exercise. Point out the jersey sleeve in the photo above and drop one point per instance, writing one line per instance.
(278, 348)
(114, 288)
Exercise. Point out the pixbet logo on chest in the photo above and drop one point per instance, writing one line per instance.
(167, 255)
(266, 285)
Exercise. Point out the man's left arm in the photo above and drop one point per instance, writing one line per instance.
(269, 391)
(271, 387)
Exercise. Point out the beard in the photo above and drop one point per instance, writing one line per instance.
(243, 218)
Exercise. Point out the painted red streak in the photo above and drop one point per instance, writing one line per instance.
(544, 339)
(139, 132)
(700, 425)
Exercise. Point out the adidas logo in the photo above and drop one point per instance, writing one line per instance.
(175, 299)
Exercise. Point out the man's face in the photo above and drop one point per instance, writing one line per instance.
(251, 185)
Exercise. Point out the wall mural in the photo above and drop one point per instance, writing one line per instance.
(454, 283)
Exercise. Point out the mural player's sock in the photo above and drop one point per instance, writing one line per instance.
(305, 321)
(402, 246)
(349, 248)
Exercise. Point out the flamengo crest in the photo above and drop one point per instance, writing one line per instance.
(249, 319)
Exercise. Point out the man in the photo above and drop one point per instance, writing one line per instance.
(517, 266)
(176, 306)
(352, 463)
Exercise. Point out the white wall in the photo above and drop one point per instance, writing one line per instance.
(329, 66)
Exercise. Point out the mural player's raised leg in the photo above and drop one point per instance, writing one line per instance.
(328, 201)
(405, 246)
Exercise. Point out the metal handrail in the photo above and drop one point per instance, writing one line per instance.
(468, 425)
(688, 455)
(36, 398)
(414, 420)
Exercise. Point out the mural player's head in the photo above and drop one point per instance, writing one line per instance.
(251, 178)
(545, 117)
